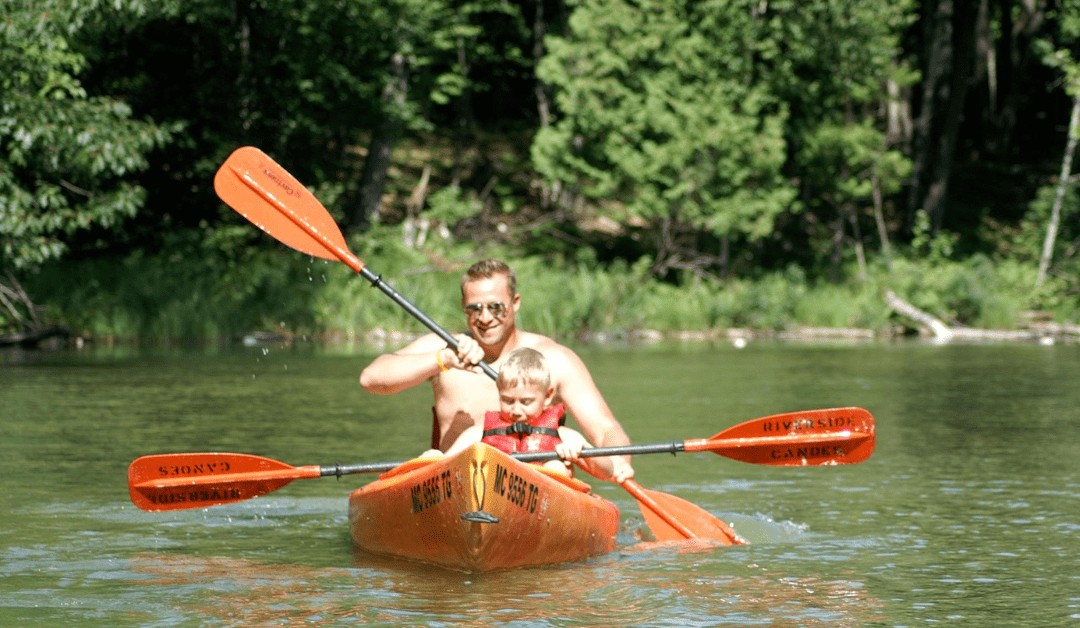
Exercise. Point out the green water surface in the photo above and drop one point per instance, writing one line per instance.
(967, 514)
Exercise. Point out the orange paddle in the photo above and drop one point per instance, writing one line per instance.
(808, 438)
(273, 200)
(671, 518)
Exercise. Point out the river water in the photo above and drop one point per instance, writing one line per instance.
(967, 514)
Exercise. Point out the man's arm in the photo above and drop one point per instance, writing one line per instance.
(418, 362)
(583, 400)
(573, 443)
(409, 366)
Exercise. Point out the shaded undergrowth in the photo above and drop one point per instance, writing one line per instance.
(216, 290)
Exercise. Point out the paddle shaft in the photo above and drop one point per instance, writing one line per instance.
(388, 290)
(673, 447)
(534, 456)
(338, 470)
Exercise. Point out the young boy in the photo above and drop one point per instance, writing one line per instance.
(527, 420)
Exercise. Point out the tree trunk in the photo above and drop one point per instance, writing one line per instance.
(856, 236)
(949, 52)
(543, 107)
(1063, 182)
(243, 75)
(1019, 21)
(465, 124)
(879, 220)
(381, 148)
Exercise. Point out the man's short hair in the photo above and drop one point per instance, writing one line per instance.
(524, 366)
(486, 269)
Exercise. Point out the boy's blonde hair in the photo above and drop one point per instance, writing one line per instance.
(524, 366)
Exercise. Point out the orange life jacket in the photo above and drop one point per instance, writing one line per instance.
(540, 433)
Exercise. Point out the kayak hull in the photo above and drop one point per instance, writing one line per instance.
(481, 510)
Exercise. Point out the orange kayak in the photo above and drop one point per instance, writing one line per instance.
(481, 510)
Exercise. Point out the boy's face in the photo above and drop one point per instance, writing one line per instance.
(524, 401)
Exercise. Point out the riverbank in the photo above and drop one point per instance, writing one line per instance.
(218, 296)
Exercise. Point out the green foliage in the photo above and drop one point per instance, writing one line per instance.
(936, 247)
(829, 59)
(1025, 242)
(571, 298)
(830, 62)
(712, 115)
(735, 130)
(974, 292)
(1024, 245)
(307, 81)
(208, 288)
(851, 306)
(1060, 49)
(66, 159)
(202, 288)
(658, 109)
(841, 161)
(451, 205)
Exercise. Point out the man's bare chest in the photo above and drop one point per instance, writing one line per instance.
(457, 393)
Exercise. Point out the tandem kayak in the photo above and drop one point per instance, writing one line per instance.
(481, 510)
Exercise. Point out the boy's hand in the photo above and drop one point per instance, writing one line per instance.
(569, 450)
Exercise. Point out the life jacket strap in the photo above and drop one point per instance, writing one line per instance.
(520, 427)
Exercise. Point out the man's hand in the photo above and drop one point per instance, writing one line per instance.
(621, 469)
(469, 353)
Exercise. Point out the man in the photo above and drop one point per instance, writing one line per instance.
(463, 393)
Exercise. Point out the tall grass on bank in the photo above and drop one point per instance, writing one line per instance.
(220, 288)
(194, 290)
(220, 282)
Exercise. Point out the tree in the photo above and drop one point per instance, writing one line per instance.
(707, 118)
(1062, 59)
(833, 63)
(948, 59)
(67, 159)
(658, 108)
(429, 50)
(296, 78)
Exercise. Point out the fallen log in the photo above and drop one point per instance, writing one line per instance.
(944, 332)
(34, 337)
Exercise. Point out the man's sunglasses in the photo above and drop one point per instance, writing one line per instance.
(497, 309)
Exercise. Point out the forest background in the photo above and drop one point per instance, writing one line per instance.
(660, 165)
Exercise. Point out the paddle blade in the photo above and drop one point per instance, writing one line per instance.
(672, 518)
(273, 200)
(830, 436)
(197, 480)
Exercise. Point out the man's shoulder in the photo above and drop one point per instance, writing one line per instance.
(559, 356)
(540, 342)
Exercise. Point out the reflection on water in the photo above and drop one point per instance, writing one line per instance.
(118, 566)
(618, 590)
